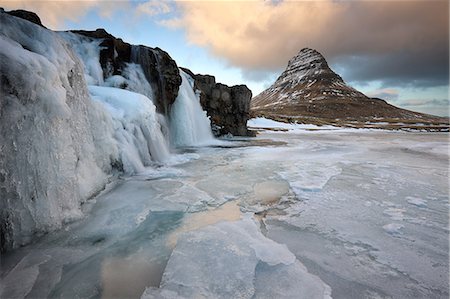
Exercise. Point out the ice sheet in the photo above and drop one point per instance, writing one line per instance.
(230, 260)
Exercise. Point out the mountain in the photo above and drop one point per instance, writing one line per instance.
(309, 90)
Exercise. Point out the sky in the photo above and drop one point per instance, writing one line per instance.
(395, 50)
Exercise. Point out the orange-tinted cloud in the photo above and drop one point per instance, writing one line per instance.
(52, 13)
(263, 35)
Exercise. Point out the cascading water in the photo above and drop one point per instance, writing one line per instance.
(189, 124)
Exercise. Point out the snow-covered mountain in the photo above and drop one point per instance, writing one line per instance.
(309, 88)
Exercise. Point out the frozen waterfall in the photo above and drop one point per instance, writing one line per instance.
(189, 126)
(136, 127)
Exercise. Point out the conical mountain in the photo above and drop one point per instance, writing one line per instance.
(309, 88)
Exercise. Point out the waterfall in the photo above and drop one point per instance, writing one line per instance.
(189, 124)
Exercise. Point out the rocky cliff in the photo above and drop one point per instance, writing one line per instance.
(227, 107)
(308, 89)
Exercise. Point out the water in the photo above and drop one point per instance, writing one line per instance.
(365, 213)
(189, 124)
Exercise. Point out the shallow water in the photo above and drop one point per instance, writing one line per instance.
(366, 212)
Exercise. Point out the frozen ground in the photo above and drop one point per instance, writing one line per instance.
(297, 214)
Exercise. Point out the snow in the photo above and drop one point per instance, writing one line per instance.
(264, 123)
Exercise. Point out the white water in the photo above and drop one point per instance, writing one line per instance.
(189, 124)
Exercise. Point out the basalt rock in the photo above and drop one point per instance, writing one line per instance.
(227, 107)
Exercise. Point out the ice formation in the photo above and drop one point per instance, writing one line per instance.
(52, 157)
(60, 140)
(135, 126)
(234, 260)
(189, 124)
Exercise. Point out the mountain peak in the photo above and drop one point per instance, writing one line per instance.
(308, 65)
(309, 86)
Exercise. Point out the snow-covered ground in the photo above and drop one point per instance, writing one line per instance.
(298, 214)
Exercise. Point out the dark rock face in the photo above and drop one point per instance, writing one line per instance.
(26, 15)
(159, 68)
(228, 107)
(162, 73)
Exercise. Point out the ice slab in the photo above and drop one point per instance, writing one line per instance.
(233, 260)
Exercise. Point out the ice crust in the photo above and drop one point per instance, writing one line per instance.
(234, 260)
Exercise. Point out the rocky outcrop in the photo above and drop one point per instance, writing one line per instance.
(159, 68)
(309, 88)
(227, 107)
(26, 15)
(161, 72)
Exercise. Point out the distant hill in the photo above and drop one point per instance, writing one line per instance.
(309, 91)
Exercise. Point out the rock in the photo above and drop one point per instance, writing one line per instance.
(227, 107)
(114, 53)
(162, 73)
(26, 15)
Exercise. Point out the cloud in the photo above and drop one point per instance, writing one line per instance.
(263, 35)
(426, 102)
(154, 7)
(410, 68)
(385, 93)
(54, 13)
